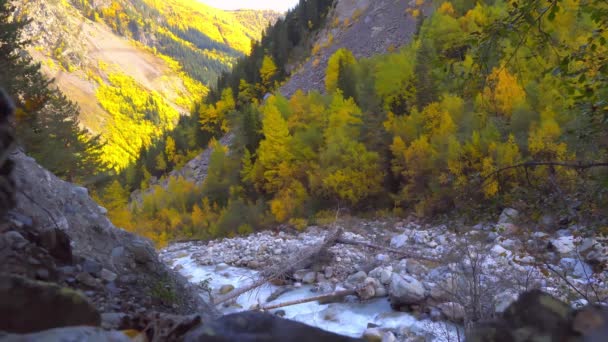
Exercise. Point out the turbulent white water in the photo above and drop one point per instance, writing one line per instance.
(343, 318)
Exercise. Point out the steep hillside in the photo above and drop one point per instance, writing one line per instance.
(133, 85)
(256, 21)
(364, 27)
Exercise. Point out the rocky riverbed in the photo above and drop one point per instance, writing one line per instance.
(455, 273)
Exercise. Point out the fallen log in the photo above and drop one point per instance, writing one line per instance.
(298, 261)
(335, 294)
(383, 248)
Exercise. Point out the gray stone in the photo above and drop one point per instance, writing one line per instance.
(414, 267)
(576, 267)
(142, 253)
(405, 289)
(309, 278)
(452, 311)
(383, 274)
(226, 289)
(91, 266)
(508, 215)
(587, 245)
(108, 275)
(500, 252)
(356, 278)
(563, 244)
(330, 313)
(15, 239)
(86, 279)
(113, 320)
(483, 226)
(383, 257)
(299, 274)
(399, 241)
(329, 272)
(381, 291)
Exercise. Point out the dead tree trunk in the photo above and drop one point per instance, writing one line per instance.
(298, 261)
(335, 294)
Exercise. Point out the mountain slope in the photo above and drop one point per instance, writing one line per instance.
(365, 27)
(133, 85)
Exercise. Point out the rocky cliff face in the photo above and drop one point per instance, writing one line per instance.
(58, 233)
(364, 27)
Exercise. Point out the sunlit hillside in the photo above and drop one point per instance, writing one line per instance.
(133, 66)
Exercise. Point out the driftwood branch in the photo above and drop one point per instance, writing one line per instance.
(383, 248)
(335, 294)
(575, 165)
(300, 260)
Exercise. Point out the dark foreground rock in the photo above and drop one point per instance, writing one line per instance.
(29, 306)
(256, 326)
(57, 233)
(537, 316)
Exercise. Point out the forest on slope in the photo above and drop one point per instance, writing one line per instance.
(134, 67)
(432, 128)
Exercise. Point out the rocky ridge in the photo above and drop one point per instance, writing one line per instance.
(58, 234)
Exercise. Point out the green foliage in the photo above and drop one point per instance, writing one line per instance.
(46, 121)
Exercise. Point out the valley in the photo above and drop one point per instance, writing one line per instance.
(86, 52)
(349, 170)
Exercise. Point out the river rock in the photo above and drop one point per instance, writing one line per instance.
(91, 266)
(399, 241)
(226, 289)
(299, 274)
(309, 278)
(107, 275)
(356, 278)
(576, 267)
(452, 311)
(405, 290)
(508, 215)
(86, 279)
(368, 289)
(500, 252)
(415, 268)
(383, 274)
(330, 313)
(329, 272)
(28, 306)
(563, 244)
